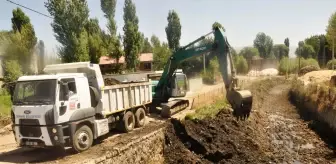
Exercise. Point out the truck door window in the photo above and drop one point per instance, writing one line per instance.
(71, 86)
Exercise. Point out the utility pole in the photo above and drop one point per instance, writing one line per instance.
(204, 63)
(333, 55)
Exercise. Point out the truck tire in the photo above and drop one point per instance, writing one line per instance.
(128, 122)
(140, 117)
(83, 139)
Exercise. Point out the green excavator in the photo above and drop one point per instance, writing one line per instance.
(172, 84)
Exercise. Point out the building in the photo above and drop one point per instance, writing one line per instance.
(107, 63)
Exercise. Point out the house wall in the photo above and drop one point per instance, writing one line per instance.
(145, 66)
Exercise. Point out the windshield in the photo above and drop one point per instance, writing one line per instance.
(41, 92)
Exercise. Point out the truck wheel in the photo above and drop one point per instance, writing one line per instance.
(83, 139)
(128, 122)
(140, 117)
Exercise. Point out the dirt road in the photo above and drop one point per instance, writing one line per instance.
(273, 134)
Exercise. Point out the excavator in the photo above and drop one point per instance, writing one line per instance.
(172, 84)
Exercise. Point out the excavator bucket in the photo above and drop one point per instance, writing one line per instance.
(241, 102)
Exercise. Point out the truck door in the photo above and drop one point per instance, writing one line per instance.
(68, 99)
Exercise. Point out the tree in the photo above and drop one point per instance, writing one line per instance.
(314, 41)
(264, 44)
(331, 30)
(112, 42)
(280, 51)
(41, 56)
(241, 65)
(286, 42)
(147, 48)
(131, 35)
(108, 7)
(160, 56)
(216, 24)
(249, 52)
(12, 70)
(305, 51)
(70, 18)
(21, 24)
(173, 30)
(155, 41)
(96, 44)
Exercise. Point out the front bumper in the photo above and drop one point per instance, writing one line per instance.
(40, 136)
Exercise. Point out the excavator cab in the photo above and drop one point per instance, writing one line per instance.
(179, 85)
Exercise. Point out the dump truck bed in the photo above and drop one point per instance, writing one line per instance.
(120, 97)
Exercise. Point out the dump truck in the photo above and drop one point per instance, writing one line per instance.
(71, 106)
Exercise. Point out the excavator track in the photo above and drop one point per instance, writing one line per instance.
(173, 107)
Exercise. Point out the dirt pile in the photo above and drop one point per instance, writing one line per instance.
(307, 69)
(219, 140)
(111, 81)
(322, 76)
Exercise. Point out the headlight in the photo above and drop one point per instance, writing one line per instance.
(54, 130)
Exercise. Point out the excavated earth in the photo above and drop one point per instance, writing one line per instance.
(273, 134)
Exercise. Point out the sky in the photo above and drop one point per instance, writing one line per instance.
(242, 19)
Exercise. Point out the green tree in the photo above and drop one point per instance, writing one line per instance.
(12, 70)
(96, 44)
(155, 41)
(286, 42)
(131, 35)
(264, 44)
(241, 65)
(249, 52)
(147, 47)
(216, 24)
(160, 56)
(331, 31)
(280, 51)
(112, 42)
(305, 51)
(70, 18)
(41, 56)
(21, 24)
(314, 41)
(173, 30)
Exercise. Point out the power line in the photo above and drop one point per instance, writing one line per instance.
(30, 9)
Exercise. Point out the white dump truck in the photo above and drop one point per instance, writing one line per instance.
(71, 106)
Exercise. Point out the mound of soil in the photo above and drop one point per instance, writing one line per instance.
(218, 140)
(111, 81)
(307, 69)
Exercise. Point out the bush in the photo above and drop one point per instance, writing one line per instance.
(330, 62)
(293, 64)
(209, 76)
(309, 62)
(307, 69)
(241, 65)
(5, 103)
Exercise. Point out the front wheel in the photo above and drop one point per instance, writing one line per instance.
(83, 139)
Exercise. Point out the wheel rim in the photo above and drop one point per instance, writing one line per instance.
(83, 139)
(130, 122)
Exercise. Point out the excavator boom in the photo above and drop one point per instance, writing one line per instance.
(241, 101)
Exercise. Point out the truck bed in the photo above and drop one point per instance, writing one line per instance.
(120, 97)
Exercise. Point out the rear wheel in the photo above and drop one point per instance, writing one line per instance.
(83, 139)
(128, 122)
(140, 117)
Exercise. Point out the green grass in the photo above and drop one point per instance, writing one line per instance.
(208, 111)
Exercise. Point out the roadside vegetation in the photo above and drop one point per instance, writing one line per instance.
(208, 111)
(291, 65)
(5, 107)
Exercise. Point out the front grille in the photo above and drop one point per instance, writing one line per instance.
(30, 131)
(29, 122)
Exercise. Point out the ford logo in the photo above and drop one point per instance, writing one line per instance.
(27, 112)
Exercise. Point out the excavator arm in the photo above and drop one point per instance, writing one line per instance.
(240, 100)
